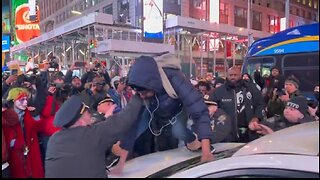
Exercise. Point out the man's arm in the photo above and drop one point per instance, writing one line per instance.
(115, 126)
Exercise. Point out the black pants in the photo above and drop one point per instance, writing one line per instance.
(6, 173)
(166, 140)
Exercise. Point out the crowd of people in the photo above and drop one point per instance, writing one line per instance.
(57, 125)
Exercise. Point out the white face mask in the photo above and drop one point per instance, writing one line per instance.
(21, 103)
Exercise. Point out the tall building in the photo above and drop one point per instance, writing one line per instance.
(201, 30)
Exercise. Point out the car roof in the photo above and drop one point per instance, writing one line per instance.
(301, 139)
(147, 165)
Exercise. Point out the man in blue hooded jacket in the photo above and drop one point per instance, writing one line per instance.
(145, 79)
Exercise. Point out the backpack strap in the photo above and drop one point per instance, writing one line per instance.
(165, 60)
(167, 85)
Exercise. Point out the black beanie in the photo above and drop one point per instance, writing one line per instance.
(292, 79)
(299, 103)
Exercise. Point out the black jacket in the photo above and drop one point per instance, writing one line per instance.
(277, 123)
(225, 96)
(144, 73)
(80, 151)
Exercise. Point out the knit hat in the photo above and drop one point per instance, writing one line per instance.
(293, 80)
(299, 103)
(17, 93)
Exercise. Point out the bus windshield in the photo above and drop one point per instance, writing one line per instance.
(262, 64)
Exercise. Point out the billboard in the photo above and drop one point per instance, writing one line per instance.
(5, 43)
(25, 29)
(5, 19)
(153, 19)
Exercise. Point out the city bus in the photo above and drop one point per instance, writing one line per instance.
(295, 51)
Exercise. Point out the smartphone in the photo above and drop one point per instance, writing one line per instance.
(281, 92)
(80, 64)
(14, 71)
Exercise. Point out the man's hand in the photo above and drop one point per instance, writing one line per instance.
(285, 98)
(30, 108)
(109, 112)
(206, 155)
(72, 67)
(254, 124)
(11, 79)
(312, 111)
(264, 129)
(4, 109)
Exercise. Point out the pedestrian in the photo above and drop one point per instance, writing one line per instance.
(220, 122)
(78, 150)
(162, 111)
(243, 102)
(22, 139)
(295, 112)
(278, 101)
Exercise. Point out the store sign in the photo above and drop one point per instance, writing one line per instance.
(153, 19)
(5, 20)
(25, 29)
(5, 43)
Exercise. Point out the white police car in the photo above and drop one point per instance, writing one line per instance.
(291, 152)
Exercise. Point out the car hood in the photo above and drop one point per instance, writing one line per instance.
(147, 165)
(302, 139)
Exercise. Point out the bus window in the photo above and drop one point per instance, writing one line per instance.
(263, 64)
(301, 60)
(307, 78)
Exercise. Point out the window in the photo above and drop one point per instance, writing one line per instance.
(305, 67)
(199, 4)
(274, 24)
(107, 9)
(309, 15)
(240, 16)
(256, 21)
(264, 63)
(304, 2)
(303, 13)
(224, 12)
(310, 3)
(315, 5)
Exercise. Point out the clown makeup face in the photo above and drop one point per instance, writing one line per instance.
(21, 103)
(292, 115)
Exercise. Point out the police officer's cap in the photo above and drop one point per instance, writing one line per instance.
(208, 101)
(70, 111)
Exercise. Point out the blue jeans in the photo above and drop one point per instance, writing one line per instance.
(179, 130)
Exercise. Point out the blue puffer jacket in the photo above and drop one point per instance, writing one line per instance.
(144, 73)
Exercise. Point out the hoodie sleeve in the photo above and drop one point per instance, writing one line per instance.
(192, 101)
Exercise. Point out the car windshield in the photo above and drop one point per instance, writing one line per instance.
(263, 64)
(182, 166)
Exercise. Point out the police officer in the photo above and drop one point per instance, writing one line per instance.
(220, 122)
(78, 150)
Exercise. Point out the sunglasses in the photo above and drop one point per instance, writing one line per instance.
(100, 84)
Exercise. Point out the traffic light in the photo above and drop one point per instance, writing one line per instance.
(95, 43)
(91, 44)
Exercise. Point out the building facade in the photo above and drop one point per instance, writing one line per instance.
(266, 16)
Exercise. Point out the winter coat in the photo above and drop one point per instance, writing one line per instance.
(225, 96)
(80, 151)
(277, 123)
(23, 166)
(47, 116)
(144, 73)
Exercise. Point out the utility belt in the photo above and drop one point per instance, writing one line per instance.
(5, 165)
